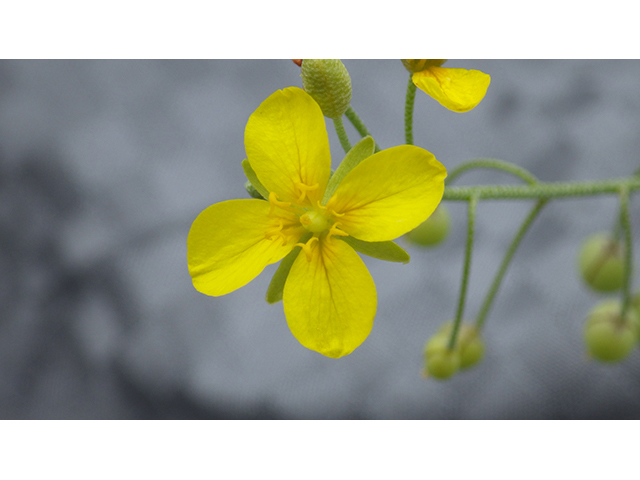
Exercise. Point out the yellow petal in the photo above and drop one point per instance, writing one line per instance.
(455, 88)
(330, 298)
(389, 193)
(287, 145)
(229, 245)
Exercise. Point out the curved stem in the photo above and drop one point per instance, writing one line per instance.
(473, 202)
(625, 222)
(495, 286)
(496, 164)
(408, 111)
(359, 124)
(542, 190)
(342, 134)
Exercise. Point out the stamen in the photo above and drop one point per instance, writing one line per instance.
(303, 189)
(306, 247)
(334, 230)
(274, 202)
(276, 232)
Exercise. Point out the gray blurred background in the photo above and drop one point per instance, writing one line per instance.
(105, 164)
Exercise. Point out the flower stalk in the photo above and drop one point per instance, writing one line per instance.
(342, 134)
(495, 286)
(473, 202)
(408, 111)
(543, 190)
(625, 222)
(359, 125)
(492, 163)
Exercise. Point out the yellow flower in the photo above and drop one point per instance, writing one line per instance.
(329, 296)
(455, 88)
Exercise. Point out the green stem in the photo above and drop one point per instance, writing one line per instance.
(625, 221)
(342, 134)
(542, 190)
(408, 111)
(473, 202)
(495, 286)
(495, 164)
(359, 125)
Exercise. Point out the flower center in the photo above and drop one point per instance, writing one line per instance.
(316, 221)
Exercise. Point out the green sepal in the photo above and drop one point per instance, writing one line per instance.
(253, 178)
(361, 150)
(251, 190)
(276, 287)
(388, 251)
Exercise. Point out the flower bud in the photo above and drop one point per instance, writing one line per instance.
(440, 362)
(470, 344)
(328, 82)
(420, 65)
(433, 230)
(609, 336)
(471, 347)
(602, 262)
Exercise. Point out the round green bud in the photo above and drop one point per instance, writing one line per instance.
(437, 344)
(328, 82)
(433, 230)
(440, 362)
(601, 262)
(443, 365)
(470, 344)
(609, 336)
(252, 191)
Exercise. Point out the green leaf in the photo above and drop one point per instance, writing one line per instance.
(253, 178)
(388, 251)
(361, 150)
(276, 287)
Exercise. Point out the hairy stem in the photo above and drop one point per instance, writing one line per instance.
(473, 202)
(359, 125)
(408, 111)
(625, 222)
(495, 286)
(542, 190)
(494, 164)
(342, 134)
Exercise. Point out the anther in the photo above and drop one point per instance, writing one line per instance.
(334, 230)
(306, 247)
(274, 202)
(303, 189)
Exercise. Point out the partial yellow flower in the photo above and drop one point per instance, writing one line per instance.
(329, 296)
(455, 88)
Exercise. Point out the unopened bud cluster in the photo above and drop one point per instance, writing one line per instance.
(442, 363)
